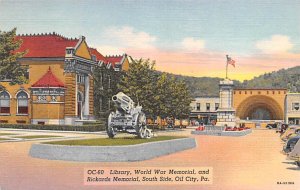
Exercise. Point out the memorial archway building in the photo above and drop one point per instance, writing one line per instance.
(259, 104)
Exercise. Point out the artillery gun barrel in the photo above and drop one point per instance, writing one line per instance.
(114, 98)
(123, 102)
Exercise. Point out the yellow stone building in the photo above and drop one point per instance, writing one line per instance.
(60, 88)
(259, 104)
(252, 106)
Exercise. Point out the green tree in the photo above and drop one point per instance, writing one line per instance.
(162, 96)
(181, 99)
(10, 68)
(105, 86)
(139, 83)
(159, 94)
(173, 97)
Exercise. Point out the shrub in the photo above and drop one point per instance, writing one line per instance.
(89, 128)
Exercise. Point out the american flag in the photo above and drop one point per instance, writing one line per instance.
(230, 61)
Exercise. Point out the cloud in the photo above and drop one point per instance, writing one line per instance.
(190, 57)
(127, 36)
(276, 45)
(193, 45)
(110, 50)
(213, 63)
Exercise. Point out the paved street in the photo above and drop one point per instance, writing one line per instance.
(249, 162)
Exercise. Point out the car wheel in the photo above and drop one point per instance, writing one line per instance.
(292, 145)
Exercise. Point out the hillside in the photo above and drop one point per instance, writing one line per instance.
(201, 86)
(284, 78)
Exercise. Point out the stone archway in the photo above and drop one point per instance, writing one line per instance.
(259, 107)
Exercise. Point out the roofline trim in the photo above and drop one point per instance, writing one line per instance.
(260, 89)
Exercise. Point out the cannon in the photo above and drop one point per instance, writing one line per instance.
(127, 118)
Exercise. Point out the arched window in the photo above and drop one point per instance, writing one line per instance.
(22, 98)
(4, 103)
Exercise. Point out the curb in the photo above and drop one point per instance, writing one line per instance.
(129, 153)
(53, 131)
(223, 133)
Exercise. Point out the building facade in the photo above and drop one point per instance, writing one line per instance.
(253, 104)
(60, 88)
(292, 108)
(204, 109)
(259, 104)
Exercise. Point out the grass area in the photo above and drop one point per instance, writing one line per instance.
(36, 136)
(2, 134)
(3, 139)
(112, 142)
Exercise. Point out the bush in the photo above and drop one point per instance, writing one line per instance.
(89, 128)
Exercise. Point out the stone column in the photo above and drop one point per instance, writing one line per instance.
(226, 112)
(70, 98)
(86, 111)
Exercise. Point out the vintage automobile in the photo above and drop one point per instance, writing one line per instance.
(292, 129)
(290, 144)
(281, 128)
(272, 125)
(295, 154)
(127, 118)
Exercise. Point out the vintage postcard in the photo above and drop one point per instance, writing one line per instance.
(141, 94)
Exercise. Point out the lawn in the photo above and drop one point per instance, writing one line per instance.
(36, 136)
(112, 142)
(3, 139)
(2, 134)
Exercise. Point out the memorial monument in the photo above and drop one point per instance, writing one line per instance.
(226, 112)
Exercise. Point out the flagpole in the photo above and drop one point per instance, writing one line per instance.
(226, 66)
(226, 70)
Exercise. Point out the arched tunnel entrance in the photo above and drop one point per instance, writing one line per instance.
(259, 107)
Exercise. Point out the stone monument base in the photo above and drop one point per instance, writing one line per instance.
(226, 117)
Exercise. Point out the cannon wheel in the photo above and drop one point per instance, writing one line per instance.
(145, 133)
(141, 128)
(110, 130)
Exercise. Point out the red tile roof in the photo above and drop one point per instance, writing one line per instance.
(108, 59)
(99, 56)
(48, 80)
(114, 59)
(48, 45)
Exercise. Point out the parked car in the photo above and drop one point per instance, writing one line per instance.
(290, 130)
(272, 126)
(281, 128)
(290, 144)
(295, 154)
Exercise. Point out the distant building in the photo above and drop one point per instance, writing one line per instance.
(204, 109)
(259, 103)
(118, 62)
(251, 104)
(292, 108)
